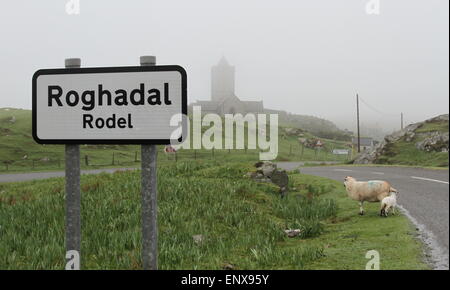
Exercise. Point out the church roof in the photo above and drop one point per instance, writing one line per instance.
(223, 62)
(254, 106)
(207, 105)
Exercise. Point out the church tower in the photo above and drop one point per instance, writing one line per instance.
(222, 80)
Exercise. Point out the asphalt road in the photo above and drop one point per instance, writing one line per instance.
(424, 194)
(44, 175)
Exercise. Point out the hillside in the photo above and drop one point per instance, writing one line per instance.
(420, 144)
(319, 127)
(18, 149)
(19, 152)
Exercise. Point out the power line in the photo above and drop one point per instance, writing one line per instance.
(384, 114)
(376, 110)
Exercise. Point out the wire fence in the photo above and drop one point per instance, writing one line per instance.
(126, 159)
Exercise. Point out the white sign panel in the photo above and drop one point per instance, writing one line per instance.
(340, 152)
(119, 105)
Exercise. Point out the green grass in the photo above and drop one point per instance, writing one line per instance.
(406, 153)
(18, 150)
(348, 236)
(242, 223)
(433, 126)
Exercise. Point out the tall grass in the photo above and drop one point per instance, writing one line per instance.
(241, 221)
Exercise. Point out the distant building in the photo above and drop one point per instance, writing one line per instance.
(223, 99)
(365, 142)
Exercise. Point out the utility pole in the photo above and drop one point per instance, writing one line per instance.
(357, 122)
(401, 117)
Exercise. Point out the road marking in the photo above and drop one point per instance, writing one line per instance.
(429, 179)
(379, 173)
(346, 170)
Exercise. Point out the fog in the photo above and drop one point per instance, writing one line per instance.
(306, 57)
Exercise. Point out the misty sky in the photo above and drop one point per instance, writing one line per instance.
(308, 57)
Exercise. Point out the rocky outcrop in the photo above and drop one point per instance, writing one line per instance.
(267, 171)
(430, 141)
(294, 132)
(436, 142)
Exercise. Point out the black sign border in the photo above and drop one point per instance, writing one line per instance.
(94, 70)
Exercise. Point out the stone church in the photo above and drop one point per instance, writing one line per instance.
(223, 99)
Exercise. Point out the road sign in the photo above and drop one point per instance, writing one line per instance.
(340, 152)
(112, 105)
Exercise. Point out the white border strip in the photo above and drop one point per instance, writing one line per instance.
(429, 179)
(378, 173)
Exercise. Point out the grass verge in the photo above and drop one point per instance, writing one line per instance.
(240, 221)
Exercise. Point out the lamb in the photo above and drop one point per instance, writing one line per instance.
(387, 203)
(370, 191)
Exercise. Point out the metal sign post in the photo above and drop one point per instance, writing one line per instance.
(110, 105)
(149, 197)
(73, 195)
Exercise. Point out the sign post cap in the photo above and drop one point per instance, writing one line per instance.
(72, 62)
(148, 60)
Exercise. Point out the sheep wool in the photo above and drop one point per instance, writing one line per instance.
(370, 191)
(389, 202)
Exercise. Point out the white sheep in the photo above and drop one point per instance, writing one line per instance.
(370, 191)
(387, 203)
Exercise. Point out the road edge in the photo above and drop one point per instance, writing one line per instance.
(434, 255)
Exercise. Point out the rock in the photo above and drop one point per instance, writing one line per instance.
(443, 118)
(410, 137)
(198, 239)
(302, 140)
(292, 233)
(267, 171)
(228, 266)
(259, 164)
(435, 143)
(294, 132)
(280, 178)
(266, 168)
